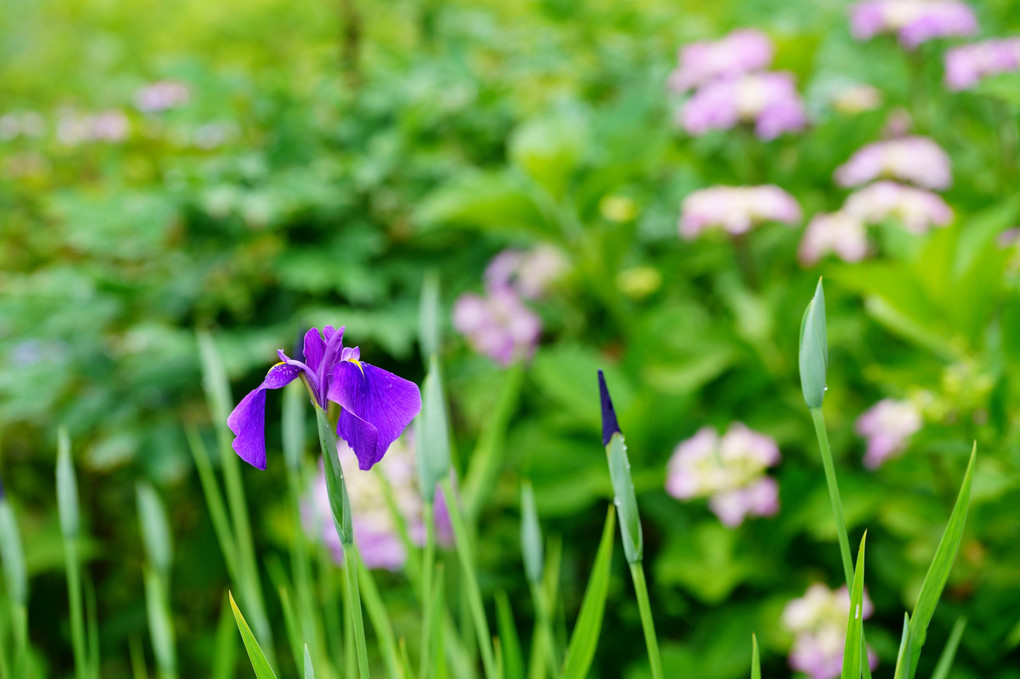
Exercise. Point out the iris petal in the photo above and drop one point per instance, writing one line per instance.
(314, 348)
(361, 436)
(248, 419)
(376, 397)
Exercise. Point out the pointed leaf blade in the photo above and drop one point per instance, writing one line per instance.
(258, 659)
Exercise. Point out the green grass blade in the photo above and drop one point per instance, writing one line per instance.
(309, 670)
(67, 504)
(137, 659)
(854, 647)
(155, 528)
(161, 624)
(430, 314)
(251, 645)
(16, 578)
(945, 662)
(585, 638)
(755, 659)
(214, 503)
(513, 657)
(225, 655)
(432, 433)
(376, 610)
(903, 656)
(941, 565)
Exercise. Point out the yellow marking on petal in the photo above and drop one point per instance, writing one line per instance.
(276, 364)
(358, 363)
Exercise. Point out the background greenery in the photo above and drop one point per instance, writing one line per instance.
(365, 143)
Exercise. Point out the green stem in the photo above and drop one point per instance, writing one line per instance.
(428, 566)
(837, 510)
(837, 503)
(354, 594)
(637, 572)
(544, 634)
(74, 595)
(460, 534)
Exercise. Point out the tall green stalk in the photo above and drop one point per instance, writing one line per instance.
(67, 501)
(834, 498)
(637, 572)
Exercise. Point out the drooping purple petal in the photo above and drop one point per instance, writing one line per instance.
(248, 419)
(375, 397)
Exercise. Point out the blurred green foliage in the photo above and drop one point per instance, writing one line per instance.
(299, 188)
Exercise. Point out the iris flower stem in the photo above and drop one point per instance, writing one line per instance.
(637, 572)
(428, 566)
(474, 594)
(837, 509)
(354, 595)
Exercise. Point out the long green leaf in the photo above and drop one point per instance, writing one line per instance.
(903, 656)
(513, 657)
(432, 433)
(309, 670)
(755, 659)
(585, 638)
(949, 652)
(853, 648)
(941, 565)
(67, 504)
(251, 645)
(225, 653)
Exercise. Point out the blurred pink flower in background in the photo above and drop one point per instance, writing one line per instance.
(818, 621)
(839, 232)
(74, 127)
(968, 64)
(375, 528)
(918, 160)
(887, 426)
(529, 273)
(918, 210)
(498, 325)
(739, 52)
(21, 124)
(915, 21)
(768, 100)
(735, 209)
(161, 96)
(729, 470)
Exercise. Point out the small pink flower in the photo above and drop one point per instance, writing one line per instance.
(498, 325)
(739, 52)
(528, 273)
(818, 620)
(968, 64)
(729, 470)
(161, 96)
(918, 210)
(768, 100)
(887, 426)
(840, 233)
(915, 21)
(375, 528)
(918, 160)
(736, 209)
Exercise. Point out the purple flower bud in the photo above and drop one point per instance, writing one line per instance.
(609, 424)
(739, 52)
(915, 21)
(918, 160)
(887, 426)
(736, 209)
(967, 65)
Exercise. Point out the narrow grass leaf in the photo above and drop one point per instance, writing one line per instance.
(945, 662)
(487, 458)
(432, 432)
(292, 421)
(161, 625)
(155, 528)
(531, 536)
(225, 653)
(903, 656)
(755, 659)
(376, 610)
(585, 638)
(251, 645)
(429, 315)
(309, 670)
(854, 646)
(941, 565)
(513, 657)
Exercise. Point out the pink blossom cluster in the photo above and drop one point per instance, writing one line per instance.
(918, 160)
(74, 127)
(887, 426)
(375, 528)
(499, 324)
(967, 65)
(729, 470)
(731, 87)
(914, 21)
(736, 209)
(21, 124)
(161, 96)
(818, 622)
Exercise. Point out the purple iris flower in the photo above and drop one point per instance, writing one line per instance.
(376, 405)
